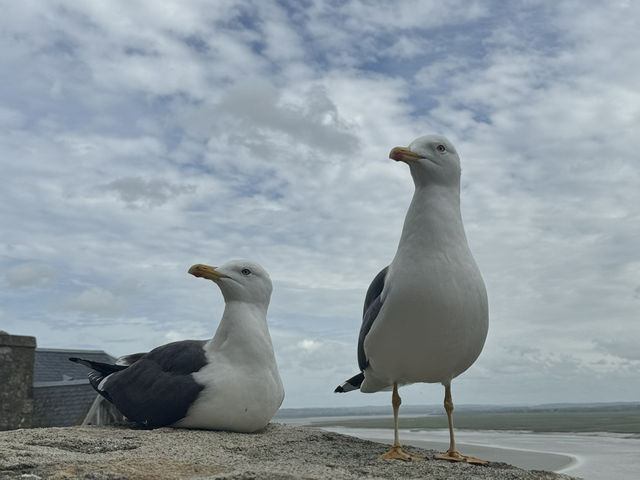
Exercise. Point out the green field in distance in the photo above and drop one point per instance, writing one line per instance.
(618, 419)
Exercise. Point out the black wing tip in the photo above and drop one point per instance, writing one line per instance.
(81, 361)
(104, 368)
(351, 384)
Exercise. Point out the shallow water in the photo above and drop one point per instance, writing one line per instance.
(590, 456)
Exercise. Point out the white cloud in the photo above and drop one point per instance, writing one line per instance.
(94, 300)
(29, 274)
(135, 191)
(624, 346)
(10, 118)
(261, 130)
(256, 109)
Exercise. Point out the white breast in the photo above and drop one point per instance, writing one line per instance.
(236, 397)
(242, 386)
(431, 327)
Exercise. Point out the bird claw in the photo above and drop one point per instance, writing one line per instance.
(455, 456)
(399, 453)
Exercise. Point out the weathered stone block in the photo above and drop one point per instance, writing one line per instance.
(16, 380)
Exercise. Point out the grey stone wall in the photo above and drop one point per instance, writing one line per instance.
(16, 380)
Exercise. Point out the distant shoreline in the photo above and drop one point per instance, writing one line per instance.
(613, 418)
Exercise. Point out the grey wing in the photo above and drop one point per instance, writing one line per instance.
(372, 306)
(158, 388)
(130, 359)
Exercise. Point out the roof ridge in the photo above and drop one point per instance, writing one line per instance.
(61, 383)
(61, 350)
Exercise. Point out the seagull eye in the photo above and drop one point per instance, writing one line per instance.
(245, 271)
(441, 148)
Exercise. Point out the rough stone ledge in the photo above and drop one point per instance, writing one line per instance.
(277, 453)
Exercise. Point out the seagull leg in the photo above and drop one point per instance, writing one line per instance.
(452, 454)
(397, 452)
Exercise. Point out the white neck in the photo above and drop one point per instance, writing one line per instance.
(243, 332)
(433, 222)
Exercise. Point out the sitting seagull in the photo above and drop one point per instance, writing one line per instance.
(230, 382)
(425, 315)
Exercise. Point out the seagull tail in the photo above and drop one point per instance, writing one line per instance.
(104, 368)
(99, 371)
(352, 384)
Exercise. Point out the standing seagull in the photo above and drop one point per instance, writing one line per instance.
(230, 382)
(425, 316)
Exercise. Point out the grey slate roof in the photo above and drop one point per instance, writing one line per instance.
(53, 365)
(62, 394)
(63, 405)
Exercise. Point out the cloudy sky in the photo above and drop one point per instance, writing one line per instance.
(139, 138)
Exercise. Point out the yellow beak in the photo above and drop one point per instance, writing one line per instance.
(205, 271)
(403, 154)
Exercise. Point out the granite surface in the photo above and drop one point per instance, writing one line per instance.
(278, 452)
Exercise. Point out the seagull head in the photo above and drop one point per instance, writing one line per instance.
(239, 280)
(432, 159)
